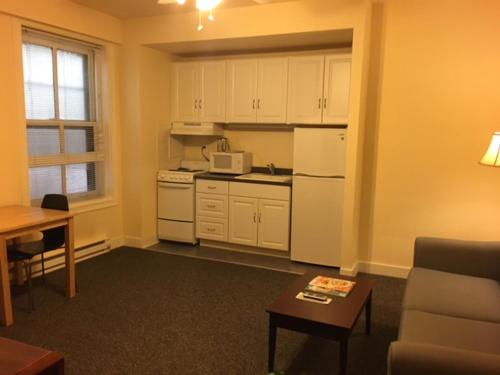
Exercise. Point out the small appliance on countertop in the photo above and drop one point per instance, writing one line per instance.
(235, 162)
(176, 201)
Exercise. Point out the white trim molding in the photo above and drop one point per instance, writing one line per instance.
(384, 269)
(139, 242)
(352, 271)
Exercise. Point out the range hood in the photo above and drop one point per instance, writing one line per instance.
(196, 128)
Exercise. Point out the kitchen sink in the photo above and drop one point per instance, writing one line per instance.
(264, 177)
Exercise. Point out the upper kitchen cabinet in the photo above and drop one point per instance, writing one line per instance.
(257, 90)
(318, 89)
(336, 90)
(198, 91)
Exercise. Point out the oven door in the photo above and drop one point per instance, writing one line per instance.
(176, 201)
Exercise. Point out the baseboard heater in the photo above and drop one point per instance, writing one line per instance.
(55, 259)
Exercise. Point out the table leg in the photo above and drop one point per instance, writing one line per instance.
(343, 355)
(368, 312)
(6, 307)
(272, 344)
(69, 239)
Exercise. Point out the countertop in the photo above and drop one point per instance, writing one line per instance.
(231, 177)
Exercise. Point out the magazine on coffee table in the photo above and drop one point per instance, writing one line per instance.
(330, 286)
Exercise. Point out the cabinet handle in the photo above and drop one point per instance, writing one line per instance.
(210, 229)
(211, 187)
(254, 217)
(210, 205)
(195, 107)
(319, 103)
(324, 103)
(258, 104)
(199, 104)
(260, 215)
(253, 104)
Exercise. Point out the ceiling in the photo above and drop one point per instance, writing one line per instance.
(146, 8)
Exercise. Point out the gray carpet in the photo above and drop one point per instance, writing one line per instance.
(140, 312)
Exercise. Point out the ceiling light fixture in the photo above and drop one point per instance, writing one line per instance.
(202, 6)
(492, 156)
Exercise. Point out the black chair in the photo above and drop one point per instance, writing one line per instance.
(52, 239)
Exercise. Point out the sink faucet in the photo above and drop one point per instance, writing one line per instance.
(272, 168)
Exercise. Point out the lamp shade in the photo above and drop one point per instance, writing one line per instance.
(492, 156)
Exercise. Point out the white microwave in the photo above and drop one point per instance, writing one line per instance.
(238, 162)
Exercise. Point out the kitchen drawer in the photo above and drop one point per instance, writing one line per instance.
(244, 189)
(211, 186)
(213, 205)
(211, 228)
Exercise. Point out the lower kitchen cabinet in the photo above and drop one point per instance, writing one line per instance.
(243, 220)
(274, 224)
(243, 213)
(211, 209)
(255, 220)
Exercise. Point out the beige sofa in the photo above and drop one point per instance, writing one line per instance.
(450, 322)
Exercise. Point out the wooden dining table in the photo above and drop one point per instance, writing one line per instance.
(16, 221)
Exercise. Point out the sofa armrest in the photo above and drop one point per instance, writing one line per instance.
(409, 358)
(473, 258)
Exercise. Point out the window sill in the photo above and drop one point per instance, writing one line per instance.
(93, 205)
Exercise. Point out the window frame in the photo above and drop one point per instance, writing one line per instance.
(92, 52)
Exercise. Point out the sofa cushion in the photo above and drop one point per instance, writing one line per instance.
(426, 328)
(453, 294)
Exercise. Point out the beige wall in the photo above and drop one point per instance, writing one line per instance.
(145, 114)
(66, 15)
(13, 163)
(263, 20)
(102, 221)
(267, 145)
(437, 107)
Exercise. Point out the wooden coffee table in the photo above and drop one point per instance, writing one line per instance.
(334, 321)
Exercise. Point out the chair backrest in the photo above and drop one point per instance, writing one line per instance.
(54, 238)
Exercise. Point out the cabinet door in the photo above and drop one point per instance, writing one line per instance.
(185, 91)
(243, 220)
(242, 91)
(337, 89)
(305, 89)
(272, 90)
(274, 224)
(212, 100)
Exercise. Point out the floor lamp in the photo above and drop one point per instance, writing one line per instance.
(492, 156)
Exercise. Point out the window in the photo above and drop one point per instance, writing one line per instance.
(64, 135)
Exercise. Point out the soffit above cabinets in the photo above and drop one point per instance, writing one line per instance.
(147, 8)
(262, 44)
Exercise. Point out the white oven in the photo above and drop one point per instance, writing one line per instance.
(176, 205)
(175, 201)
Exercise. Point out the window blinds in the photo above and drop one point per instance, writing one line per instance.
(65, 142)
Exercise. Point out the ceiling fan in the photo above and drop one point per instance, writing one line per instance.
(205, 6)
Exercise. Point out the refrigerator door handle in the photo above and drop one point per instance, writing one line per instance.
(313, 175)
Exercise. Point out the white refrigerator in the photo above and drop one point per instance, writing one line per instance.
(318, 195)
